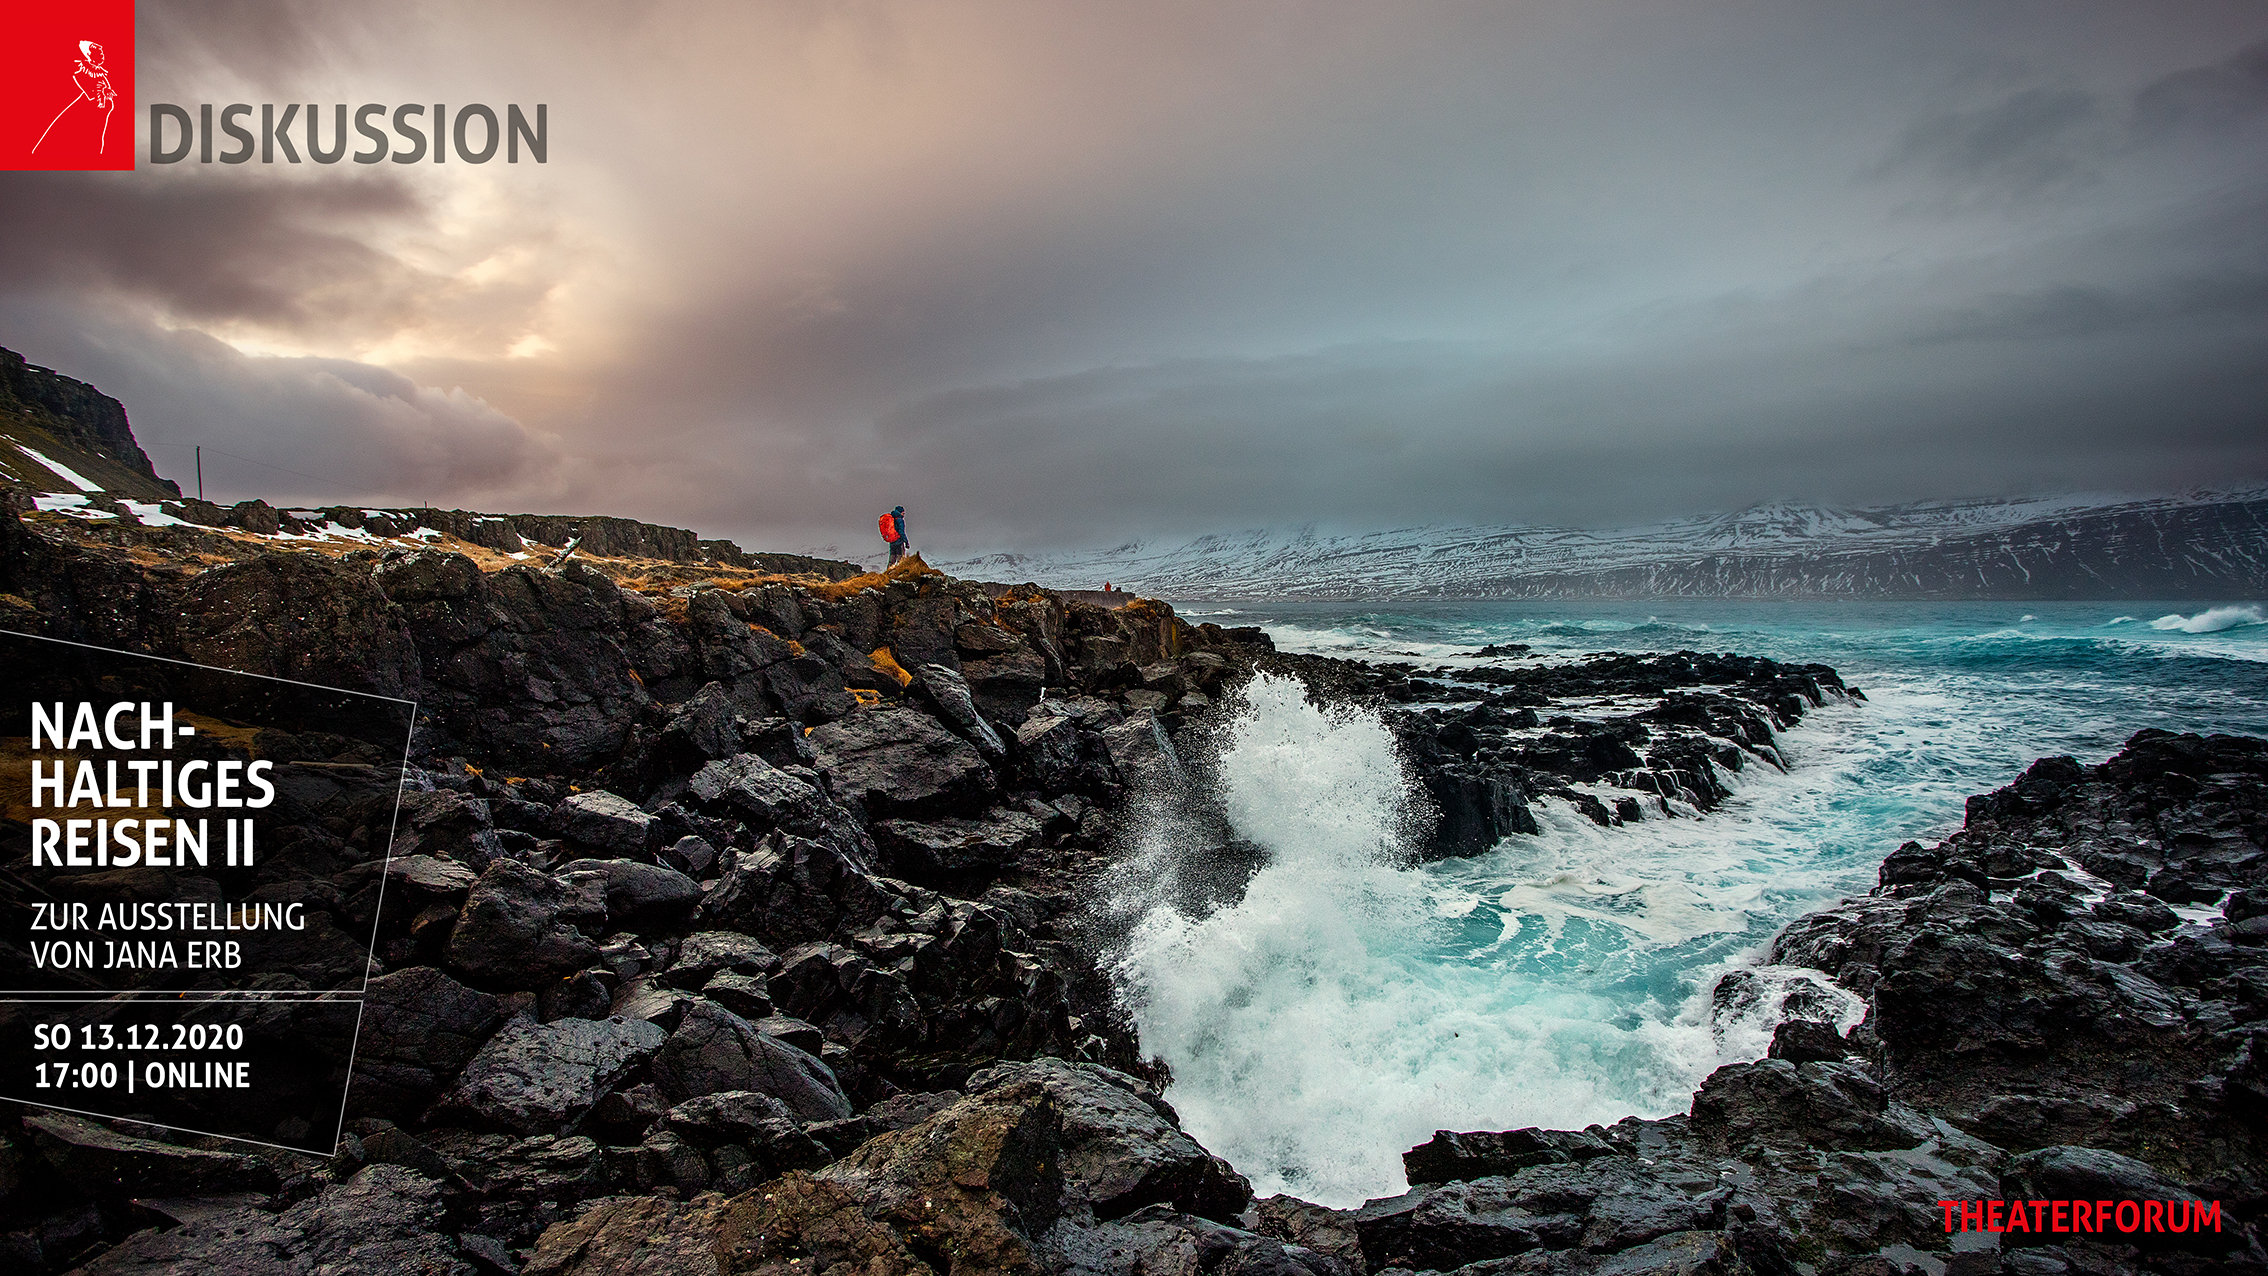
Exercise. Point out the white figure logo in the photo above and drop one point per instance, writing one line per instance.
(94, 90)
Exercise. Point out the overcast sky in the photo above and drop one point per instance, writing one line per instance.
(1056, 275)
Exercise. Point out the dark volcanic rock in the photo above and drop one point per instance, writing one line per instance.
(759, 792)
(2091, 1174)
(955, 852)
(605, 821)
(2014, 1012)
(538, 1078)
(418, 1028)
(1121, 1150)
(386, 1219)
(1807, 1041)
(714, 1050)
(1776, 1103)
(1066, 754)
(1451, 1156)
(642, 895)
(899, 761)
(948, 697)
(792, 889)
(510, 934)
(705, 955)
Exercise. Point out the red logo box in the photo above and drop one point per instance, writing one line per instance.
(67, 85)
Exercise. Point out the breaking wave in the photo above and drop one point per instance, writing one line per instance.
(2213, 621)
(1344, 1006)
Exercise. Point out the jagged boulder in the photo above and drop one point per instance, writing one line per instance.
(538, 1167)
(706, 954)
(955, 852)
(1067, 753)
(789, 890)
(899, 761)
(510, 933)
(1122, 1146)
(761, 794)
(1776, 1103)
(450, 826)
(948, 697)
(641, 895)
(537, 1078)
(705, 725)
(606, 821)
(714, 1050)
(1450, 1156)
(1006, 685)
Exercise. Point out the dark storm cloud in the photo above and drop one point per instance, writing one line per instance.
(1051, 274)
(2227, 93)
(2031, 138)
(204, 247)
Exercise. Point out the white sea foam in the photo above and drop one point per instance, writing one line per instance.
(2212, 621)
(1346, 1007)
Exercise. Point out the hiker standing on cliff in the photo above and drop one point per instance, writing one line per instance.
(894, 531)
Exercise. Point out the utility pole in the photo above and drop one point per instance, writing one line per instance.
(200, 471)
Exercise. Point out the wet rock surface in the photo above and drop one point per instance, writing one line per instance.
(743, 929)
(1618, 737)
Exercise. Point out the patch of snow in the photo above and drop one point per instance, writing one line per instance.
(61, 471)
(304, 516)
(154, 515)
(335, 530)
(72, 503)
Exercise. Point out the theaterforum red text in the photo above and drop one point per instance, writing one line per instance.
(2082, 1216)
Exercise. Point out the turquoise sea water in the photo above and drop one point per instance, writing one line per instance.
(1346, 1007)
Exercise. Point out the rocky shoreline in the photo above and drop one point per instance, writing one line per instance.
(741, 926)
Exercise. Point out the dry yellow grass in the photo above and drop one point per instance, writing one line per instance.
(908, 568)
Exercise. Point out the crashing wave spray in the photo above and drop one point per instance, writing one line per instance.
(1252, 1003)
(1313, 1025)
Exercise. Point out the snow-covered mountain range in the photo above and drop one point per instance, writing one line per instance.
(2196, 545)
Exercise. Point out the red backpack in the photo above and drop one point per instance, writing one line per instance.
(889, 529)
